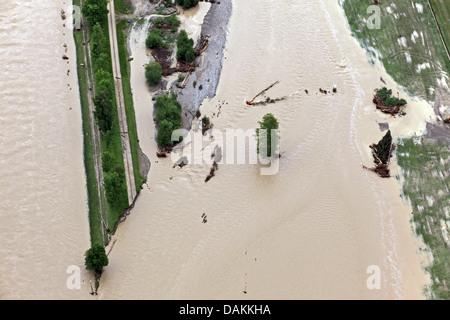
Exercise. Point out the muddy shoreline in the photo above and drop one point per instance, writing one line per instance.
(207, 74)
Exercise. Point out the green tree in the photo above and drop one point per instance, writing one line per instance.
(96, 258)
(167, 117)
(268, 123)
(165, 130)
(103, 112)
(114, 187)
(185, 47)
(187, 3)
(97, 40)
(95, 10)
(154, 39)
(108, 161)
(153, 72)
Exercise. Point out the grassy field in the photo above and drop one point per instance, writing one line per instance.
(124, 6)
(407, 43)
(410, 47)
(426, 169)
(442, 11)
(128, 97)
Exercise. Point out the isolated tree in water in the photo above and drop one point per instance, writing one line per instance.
(270, 139)
(96, 258)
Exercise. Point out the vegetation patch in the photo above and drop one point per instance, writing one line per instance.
(425, 165)
(407, 43)
(385, 102)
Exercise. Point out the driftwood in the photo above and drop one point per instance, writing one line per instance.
(181, 68)
(212, 171)
(447, 120)
(161, 154)
(381, 169)
(250, 102)
(385, 109)
(202, 45)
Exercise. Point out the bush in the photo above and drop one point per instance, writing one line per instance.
(153, 73)
(96, 258)
(187, 3)
(154, 39)
(103, 100)
(95, 10)
(114, 187)
(168, 118)
(185, 46)
(108, 161)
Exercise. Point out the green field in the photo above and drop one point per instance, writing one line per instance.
(124, 6)
(400, 24)
(442, 11)
(426, 167)
(408, 37)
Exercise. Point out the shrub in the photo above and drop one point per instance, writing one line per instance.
(113, 187)
(187, 3)
(185, 47)
(154, 39)
(168, 118)
(153, 73)
(95, 10)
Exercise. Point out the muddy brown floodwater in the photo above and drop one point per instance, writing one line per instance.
(43, 202)
(318, 228)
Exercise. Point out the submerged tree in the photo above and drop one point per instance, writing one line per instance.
(96, 258)
(267, 135)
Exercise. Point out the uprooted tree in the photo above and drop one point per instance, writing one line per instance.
(382, 154)
(385, 102)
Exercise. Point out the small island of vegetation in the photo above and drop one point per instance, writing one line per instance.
(385, 102)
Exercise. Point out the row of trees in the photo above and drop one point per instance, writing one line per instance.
(95, 11)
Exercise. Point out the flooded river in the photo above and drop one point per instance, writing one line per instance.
(43, 202)
(322, 226)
